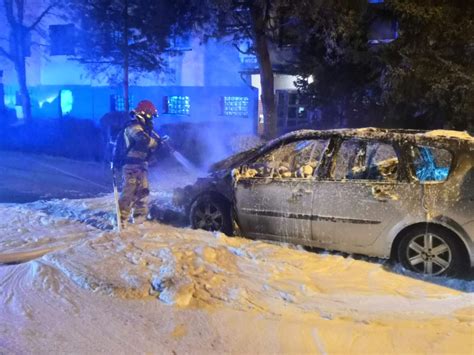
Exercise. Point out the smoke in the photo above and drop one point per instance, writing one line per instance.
(206, 143)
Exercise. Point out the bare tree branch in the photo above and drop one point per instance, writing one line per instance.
(452, 66)
(4, 53)
(8, 4)
(249, 51)
(20, 10)
(267, 10)
(43, 14)
(244, 26)
(39, 44)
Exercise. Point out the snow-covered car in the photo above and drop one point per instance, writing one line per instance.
(402, 194)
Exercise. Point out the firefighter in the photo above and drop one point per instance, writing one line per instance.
(140, 141)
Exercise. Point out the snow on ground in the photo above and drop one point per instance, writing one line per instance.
(158, 288)
(69, 283)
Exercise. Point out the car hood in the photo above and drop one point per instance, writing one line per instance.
(235, 160)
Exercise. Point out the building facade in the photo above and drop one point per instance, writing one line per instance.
(203, 83)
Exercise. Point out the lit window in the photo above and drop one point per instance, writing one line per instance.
(62, 39)
(118, 102)
(67, 101)
(116, 37)
(177, 105)
(235, 106)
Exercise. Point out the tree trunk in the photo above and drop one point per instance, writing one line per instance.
(25, 95)
(18, 57)
(125, 60)
(266, 72)
(126, 99)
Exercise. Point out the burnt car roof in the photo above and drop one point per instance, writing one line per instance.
(452, 140)
(441, 136)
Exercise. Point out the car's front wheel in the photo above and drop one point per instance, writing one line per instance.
(431, 250)
(211, 214)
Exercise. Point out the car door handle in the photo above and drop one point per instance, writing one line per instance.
(300, 193)
(383, 194)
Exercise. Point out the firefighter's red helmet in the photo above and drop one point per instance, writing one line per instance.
(146, 109)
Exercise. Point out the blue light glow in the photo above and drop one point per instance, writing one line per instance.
(427, 169)
(10, 100)
(49, 100)
(67, 101)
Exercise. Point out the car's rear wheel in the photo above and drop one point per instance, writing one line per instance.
(431, 250)
(211, 214)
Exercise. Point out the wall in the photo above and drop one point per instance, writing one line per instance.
(93, 102)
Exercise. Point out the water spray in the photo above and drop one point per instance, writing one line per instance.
(185, 163)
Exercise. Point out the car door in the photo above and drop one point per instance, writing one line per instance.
(362, 197)
(274, 194)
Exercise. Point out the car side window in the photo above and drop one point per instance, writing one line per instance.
(366, 160)
(298, 159)
(430, 163)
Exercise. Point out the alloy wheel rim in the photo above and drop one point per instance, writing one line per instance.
(429, 254)
(209, 217)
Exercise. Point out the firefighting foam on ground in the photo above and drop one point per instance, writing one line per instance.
(69, 282)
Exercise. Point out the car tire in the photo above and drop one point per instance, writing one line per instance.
(431, 250)
(212, 214)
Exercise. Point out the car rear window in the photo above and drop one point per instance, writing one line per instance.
(366, 160)
(431, 164)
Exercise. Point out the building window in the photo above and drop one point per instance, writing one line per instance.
(176, 105)
(246, 56)
(297, 114)
(118, 102)
(383, 25)
(116, 37)
(289, 28)
(383, 30)
(62, 39)
(66, 101)
(181, 43)
(235, 106)
(291, 110)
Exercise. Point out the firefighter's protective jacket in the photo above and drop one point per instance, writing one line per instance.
(140, 144)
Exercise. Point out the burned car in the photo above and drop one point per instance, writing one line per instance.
(401, 194)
